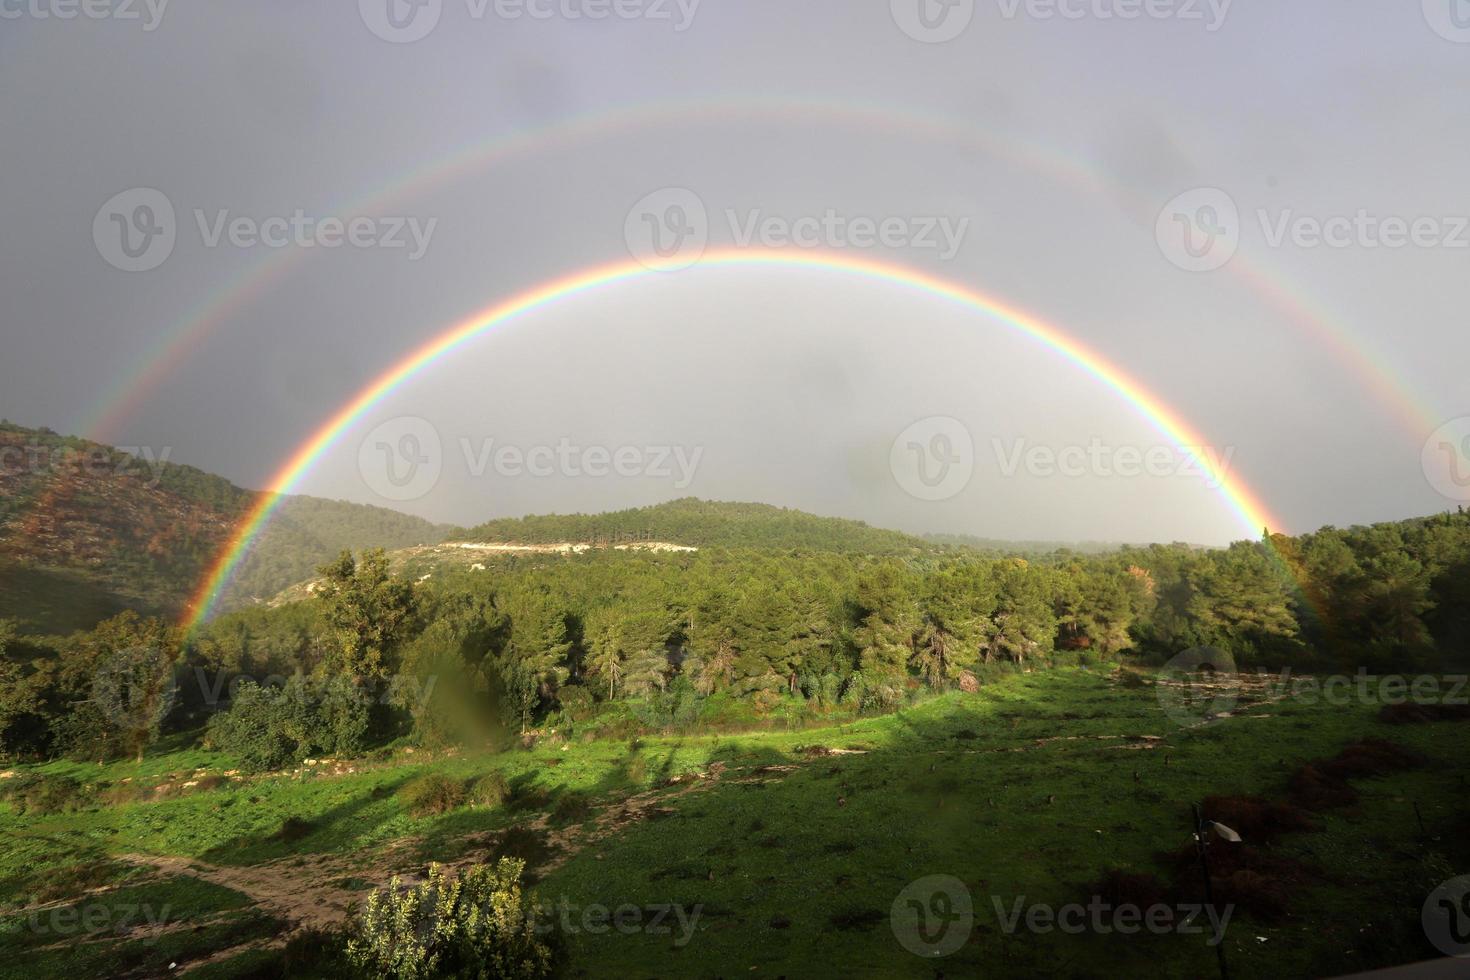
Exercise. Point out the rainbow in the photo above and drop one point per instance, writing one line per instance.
(1253, 513)
(157, 362)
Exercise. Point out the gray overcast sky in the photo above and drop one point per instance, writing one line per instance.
(1058, 137)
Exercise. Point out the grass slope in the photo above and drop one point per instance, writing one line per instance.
(1033, 787)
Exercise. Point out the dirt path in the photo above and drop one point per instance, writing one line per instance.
(321, 890)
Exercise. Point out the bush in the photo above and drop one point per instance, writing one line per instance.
(45, 795)
(431, 795)
(577, 703)
(571, 807)
(266, 728)
(477, 925)
(490, 789)
(675, 709)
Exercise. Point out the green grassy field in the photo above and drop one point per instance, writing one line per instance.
(784, 852)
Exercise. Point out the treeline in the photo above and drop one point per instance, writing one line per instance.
(704, 524)
(610, 639)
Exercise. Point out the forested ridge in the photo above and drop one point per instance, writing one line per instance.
(703, 524)
(635, 640)
(87, 531)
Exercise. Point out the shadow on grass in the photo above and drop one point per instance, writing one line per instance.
(335, 829)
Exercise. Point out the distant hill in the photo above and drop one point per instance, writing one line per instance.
(87, 531)
(702, 524)
(1001, 546)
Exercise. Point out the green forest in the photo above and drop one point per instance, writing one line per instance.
(619, 642)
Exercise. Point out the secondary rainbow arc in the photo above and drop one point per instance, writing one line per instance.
(1244, 501)
(157, 363)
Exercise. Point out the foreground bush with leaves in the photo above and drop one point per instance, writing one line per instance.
(479, 925)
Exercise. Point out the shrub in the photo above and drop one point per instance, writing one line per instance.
(675, 709)
(490, 789)
(431, 795)
(45, 795)
(577, 703)
(255, 728)
(571, 807)
(266, 728)
(121, 794)
(479, 924)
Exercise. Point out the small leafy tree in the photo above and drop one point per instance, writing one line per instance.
(371, 612)
(116, 684)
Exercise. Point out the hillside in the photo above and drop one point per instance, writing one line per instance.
(87, 530)
(703, 524)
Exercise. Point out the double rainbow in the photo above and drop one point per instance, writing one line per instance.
(1253, 514)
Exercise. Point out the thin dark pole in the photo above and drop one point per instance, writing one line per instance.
(1204, 864)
